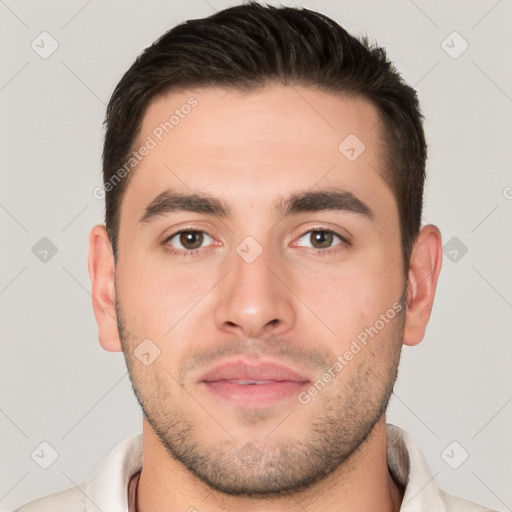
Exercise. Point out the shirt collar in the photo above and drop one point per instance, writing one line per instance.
(408, 466)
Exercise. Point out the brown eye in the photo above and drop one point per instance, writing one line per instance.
(191, 239)
(321, 239)
(188, 240)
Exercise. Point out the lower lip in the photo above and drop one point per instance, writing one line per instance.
(254, 395)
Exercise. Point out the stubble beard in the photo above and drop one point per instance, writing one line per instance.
(280, 464)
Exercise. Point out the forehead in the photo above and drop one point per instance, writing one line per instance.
(257, 144)
(278, 112)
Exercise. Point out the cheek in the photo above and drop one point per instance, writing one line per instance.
(146, 296)
(352, 296)
(159, 298)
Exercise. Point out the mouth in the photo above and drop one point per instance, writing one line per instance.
(247, 383)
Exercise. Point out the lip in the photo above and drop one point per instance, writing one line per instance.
(269, 381)
(247, 369)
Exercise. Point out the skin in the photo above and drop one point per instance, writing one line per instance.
(294, 303)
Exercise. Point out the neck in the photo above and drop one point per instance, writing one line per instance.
(362, 483)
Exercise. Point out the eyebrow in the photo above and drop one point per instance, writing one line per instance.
(309, 201)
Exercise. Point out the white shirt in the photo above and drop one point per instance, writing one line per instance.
(107, 488)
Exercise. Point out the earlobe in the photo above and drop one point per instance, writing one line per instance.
(101, 272)
(424, 269)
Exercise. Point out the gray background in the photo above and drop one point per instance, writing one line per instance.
(59, 386)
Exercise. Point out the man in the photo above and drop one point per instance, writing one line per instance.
(261, 266)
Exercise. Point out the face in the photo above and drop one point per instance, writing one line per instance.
(270, 299)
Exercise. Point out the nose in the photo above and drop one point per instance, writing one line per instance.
(254, 299)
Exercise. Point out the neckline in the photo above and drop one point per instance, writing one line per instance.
(133, 488)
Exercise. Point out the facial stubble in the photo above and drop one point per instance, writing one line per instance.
(341, 418)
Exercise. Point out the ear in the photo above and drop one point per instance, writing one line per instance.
(424, 268)
(101, 272)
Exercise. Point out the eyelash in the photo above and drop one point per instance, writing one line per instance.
(195, 252)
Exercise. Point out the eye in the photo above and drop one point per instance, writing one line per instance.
(321, 239)
(188, 240)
